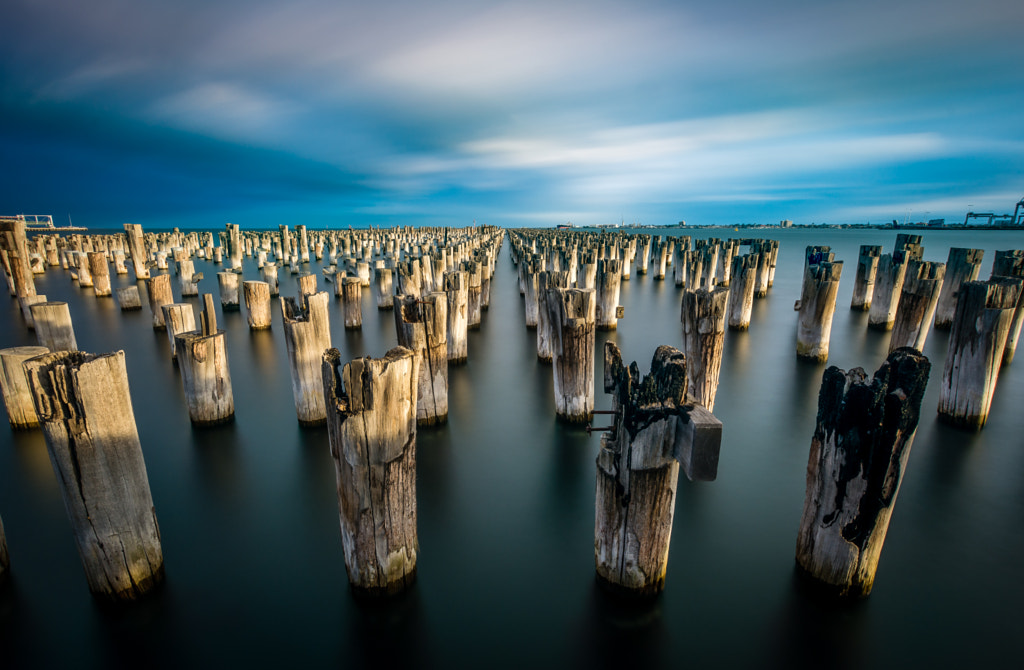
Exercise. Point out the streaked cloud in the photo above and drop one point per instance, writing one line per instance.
(519, 108)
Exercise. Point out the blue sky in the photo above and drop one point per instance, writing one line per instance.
(522, 113)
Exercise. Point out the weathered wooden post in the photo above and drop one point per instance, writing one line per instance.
(54, 329)
(892, 270)
(743, 279)
(382, 288)
(352, 302)
(178, 318)
(1010, 263)
(128, 299)
(158, 290)
(660, 261)
(422, 327)
(981, 324)
(764, 271)
(864, 282)
(458, 305)
(307, 334)
(257, 304)
(26, 308)
(205, 376)
(371, 425)
(307, 284)
(230, 285)
(703, 316)
(546, 280)
(961, 265)
(858, 455)
(270, 277)
(817, 306)
(474, 294)
(21, 411)
(572, 313)
(100, 273)
(13, 241)
(188, 280)
(609, 278)
(920, 296)
(137, 249)
(86, 411)
(653, 430)
(84, 271)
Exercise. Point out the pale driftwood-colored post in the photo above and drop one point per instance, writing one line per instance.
(270, 277)
(128, 298)
(652, 430)
(85, 408)
(546, 280)
(382, 288)
(858, 455)
(458, 306)
(371, 426)
(864, 282)
(609, 284)
(981, 324)
(920, 296)
(84, 271)
(119, 266)
(352, 302)
(703, 316)
(178, 318)
(54, 329)
(307, 284)
(817, 307)
(100, 273)
(137, 249)
(187, 279)
(257, 304)
(205, 376)
(307, 334)
(531, 285)
(26, 308)
(12, 239)
(21, 410)
(573, 321)
(660, 261)
(961, 265)
(422, 327)
(158, 290)
(230, 285)
(474, 295)
(741, 290)
(764, 272)
(892, 270)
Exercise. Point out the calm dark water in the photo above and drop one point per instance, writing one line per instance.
(248, 512)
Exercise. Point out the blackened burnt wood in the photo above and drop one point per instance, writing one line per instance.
(858, 455)
(653, 429)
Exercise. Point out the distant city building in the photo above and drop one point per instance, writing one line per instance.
(936, 223)
(786, 223)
